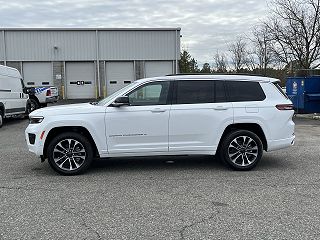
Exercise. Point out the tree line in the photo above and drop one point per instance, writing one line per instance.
(287, 40)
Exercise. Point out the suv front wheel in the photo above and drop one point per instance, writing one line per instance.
(1, 118)
(70, 153)
(241, 150)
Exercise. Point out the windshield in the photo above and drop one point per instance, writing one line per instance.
(109, 98)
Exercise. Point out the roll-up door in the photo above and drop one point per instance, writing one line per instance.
(158, 68)
(37, 74)
(119, 74)
(80, 77)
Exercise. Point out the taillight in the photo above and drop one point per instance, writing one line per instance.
(48, 92)
(284, 106)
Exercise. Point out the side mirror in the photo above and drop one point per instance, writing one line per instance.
(121, 101)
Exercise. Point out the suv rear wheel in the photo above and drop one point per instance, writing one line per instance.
(34, 104)
(241, 150)
(70, 153)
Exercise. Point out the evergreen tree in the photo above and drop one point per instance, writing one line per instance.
(206, 68)
(187, 63)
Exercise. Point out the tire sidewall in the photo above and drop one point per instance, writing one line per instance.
(28, 109)
(35, 103)
(225, 145)
(86, 144)
(1, 118)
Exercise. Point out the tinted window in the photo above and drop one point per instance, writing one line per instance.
(280, 89)
(220, 93)
(240, 91)
(197, 91)
(150, 94)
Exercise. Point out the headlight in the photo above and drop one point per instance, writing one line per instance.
(35, 120)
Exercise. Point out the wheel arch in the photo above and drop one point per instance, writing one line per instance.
(252, 127)
(32, 96)
(77, 129)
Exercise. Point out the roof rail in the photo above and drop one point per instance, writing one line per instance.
(244, 74)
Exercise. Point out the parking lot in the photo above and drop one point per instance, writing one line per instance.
(163, 197)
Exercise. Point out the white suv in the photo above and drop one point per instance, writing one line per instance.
(235, 116)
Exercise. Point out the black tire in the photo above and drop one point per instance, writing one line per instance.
(241, 150)
(44, 104)
(28, 110)
(34, 104)
(1, 118)
(56, 152)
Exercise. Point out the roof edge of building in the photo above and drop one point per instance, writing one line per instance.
(87, 29)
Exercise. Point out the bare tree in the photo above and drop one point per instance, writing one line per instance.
(220, 62)
(294, 27)
(262, 47)
(238, 53)
(250, 60)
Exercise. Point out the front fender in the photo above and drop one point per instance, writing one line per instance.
(96, 127)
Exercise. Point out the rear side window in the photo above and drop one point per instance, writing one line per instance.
(199, 91)
(242, 91)
(280, 89)
(219, 92)
(192, 92)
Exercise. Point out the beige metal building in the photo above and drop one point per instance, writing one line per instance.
(89, 62)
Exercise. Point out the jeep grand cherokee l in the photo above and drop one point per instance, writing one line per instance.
(236, 117)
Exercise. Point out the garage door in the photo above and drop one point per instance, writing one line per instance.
(37, 74)
(80, 77)
(119, 74)
(158, 68)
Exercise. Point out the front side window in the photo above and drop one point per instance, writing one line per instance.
(155, 93)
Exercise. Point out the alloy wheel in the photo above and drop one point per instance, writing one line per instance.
(69, 154)
(33, 106)
(243, 151)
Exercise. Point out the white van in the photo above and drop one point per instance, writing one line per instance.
(13, 100)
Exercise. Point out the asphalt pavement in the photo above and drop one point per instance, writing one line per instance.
(162, 197)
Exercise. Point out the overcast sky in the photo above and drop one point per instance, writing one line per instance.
(207, 26)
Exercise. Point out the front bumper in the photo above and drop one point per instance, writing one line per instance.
(32, 135)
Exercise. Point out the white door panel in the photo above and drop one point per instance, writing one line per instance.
(119, 75)
(80, 78)
(137, 129)
(37, 74)
(143, 125)
(11, 91)
(158, 68)
(195, 127)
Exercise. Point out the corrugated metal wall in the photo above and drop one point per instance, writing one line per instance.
(137, 45)
(50, 45)
(1, 46)
(80, 45)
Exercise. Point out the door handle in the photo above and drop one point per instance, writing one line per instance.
(158, 110)
(220, 108)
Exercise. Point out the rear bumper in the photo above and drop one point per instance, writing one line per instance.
(280, 143)
(52, 99)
